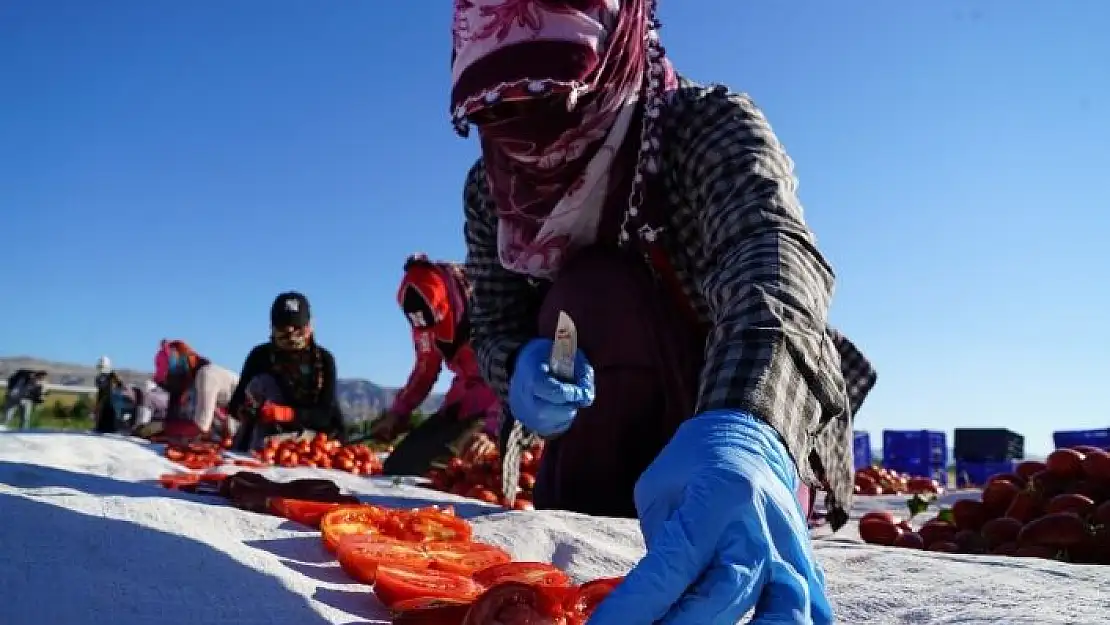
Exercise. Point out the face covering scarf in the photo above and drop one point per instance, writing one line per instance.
(291, 338)
(573, 73)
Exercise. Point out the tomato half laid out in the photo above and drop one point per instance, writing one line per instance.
(514, 602)
(179, 481)
(533, 573)
(466, 558)
(360, 556)
(394, 584)
(433, 525)
(352, 520)
(302, 511)
(588, 596)
(430, 612)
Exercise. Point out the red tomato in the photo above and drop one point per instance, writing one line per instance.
(465, 558)
(585, 600)
(360, 556)
(430, 612)
(484, 494)
(527, 481)
(301, 511)
(433, 525)
(179, 481)
(394, 584)
(352, 519)
(514, 602)
(535, 573)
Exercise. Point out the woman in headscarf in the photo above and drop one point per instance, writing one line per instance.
(709, 392)
(434, 298)
(190, 378)
(288, 384)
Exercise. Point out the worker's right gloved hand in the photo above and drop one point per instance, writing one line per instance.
(276, 413)
(542, 403)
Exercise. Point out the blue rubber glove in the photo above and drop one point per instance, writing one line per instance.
(724, 533)
(542, 403)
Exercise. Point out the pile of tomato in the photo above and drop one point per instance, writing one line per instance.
(426, 567)
(880, 481)
(320, 452)
(1057, 509)
(317, 451)
(480, 478)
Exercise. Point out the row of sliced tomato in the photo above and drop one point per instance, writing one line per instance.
(427, 569)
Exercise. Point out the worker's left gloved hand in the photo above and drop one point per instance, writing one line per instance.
(724, 532)
(270, 412)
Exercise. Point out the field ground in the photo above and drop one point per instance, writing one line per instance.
(45, 416)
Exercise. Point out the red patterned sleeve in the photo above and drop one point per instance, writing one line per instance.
(424, 374)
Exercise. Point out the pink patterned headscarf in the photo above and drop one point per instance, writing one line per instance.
(549, 170)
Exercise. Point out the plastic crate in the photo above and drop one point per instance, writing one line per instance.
(1074, 438)
(917, 452)
(976, 473)
(861, 449)
(987, 444)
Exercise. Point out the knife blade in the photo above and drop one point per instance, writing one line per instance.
(564, 348)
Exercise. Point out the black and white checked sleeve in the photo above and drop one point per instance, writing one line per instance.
(504, 305)
(765, 283)
(859, 375)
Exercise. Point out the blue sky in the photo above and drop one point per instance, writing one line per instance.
(154, 155)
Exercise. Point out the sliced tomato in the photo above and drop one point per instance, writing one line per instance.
(204, 448)
(360, 556)
(465, 558)
(349, 520)
(434, 525)
(514, 602)
(582, 603)
(301, 511)
(174, 454)
(395, 584)
(534, 573)
(430, 612)
(179, 481)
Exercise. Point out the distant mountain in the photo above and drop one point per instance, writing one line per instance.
(361, 399)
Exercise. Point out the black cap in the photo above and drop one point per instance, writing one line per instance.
(290, 309)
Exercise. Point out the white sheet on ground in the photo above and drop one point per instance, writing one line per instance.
(87, 537)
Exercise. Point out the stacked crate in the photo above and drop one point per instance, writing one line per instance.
(861, 449)
(1077, 438)
(920, 453)
(983, 452)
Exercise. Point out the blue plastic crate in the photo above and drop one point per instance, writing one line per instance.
(970, 473)
(861, 449)
(917, 452)
(1074, 438)
(922, 446)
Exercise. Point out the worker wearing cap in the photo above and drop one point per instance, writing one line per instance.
(287, 384)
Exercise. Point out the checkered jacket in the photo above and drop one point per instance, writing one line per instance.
(736, 237)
